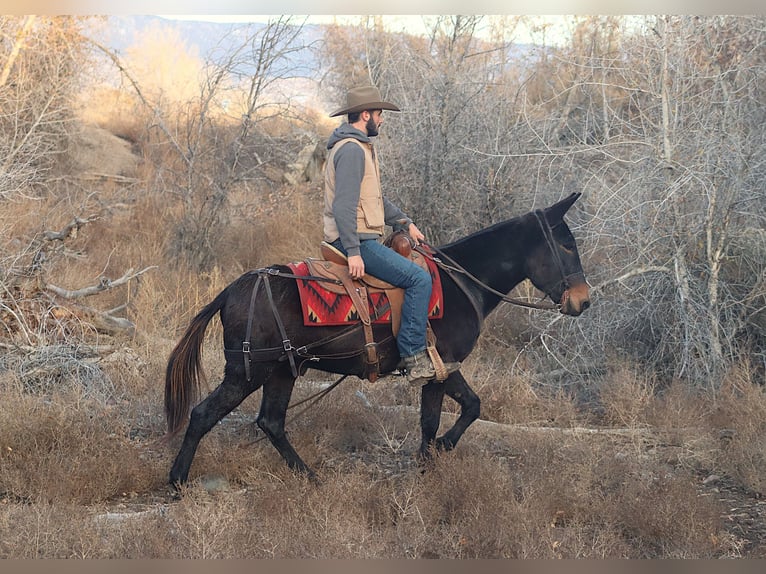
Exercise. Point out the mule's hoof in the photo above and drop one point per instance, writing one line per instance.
(424, 459)
(174, 490)
(443, 445)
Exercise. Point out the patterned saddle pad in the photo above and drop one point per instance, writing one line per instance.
(322, 307)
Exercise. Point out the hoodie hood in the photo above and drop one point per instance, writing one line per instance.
(345, 131)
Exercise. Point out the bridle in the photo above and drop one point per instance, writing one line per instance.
(453, 266)
(548, 234)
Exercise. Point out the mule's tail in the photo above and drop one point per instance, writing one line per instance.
(184, 374)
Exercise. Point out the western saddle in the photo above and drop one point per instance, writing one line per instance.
(334, 265)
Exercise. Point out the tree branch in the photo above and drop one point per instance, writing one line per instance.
(69, 230)
(632, 273)
(17, 45)
(104, 284)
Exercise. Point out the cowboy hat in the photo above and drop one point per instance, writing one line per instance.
(364, 98)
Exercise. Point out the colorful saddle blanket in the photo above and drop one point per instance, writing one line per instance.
(325, 308)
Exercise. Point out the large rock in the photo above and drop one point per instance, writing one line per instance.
(308, 166)
(98, 152)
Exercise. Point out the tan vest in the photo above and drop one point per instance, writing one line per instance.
(370, 215)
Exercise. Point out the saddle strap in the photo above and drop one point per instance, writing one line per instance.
(287, 347)
(370, 346)
(286, 344)
(441, 370)
(395, 300)
(358, 293)
(246, 342)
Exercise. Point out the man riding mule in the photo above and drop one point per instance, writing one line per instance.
(267, 344)
(355, 214)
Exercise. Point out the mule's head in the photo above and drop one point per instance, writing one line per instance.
(553, 263)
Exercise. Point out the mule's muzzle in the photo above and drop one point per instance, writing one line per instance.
(575, 299)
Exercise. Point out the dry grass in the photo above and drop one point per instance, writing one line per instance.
(116, 111)
(82, 474)
(548, 498)
(76, 469)
(72, 469)
(738, 414)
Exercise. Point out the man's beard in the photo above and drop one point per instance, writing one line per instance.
(372, 128)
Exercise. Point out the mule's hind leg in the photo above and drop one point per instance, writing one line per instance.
(277, 390)
(229, 394)
(457, 388)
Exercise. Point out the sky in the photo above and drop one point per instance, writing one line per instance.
(411, 23)
(331, 7)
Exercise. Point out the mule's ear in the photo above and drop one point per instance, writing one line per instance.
(556, 212)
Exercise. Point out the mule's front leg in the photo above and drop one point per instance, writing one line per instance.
(457, 388)
(431, 399)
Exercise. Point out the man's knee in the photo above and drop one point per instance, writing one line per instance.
(424, 278)
(420, 283)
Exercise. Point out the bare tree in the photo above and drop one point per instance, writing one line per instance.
(671, 187)
(446, 85)
(40, 61)
(656, 119)
(207, 146)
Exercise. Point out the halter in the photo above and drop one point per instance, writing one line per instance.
(548, 234)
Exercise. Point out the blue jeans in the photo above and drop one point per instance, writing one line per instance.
(386, 264)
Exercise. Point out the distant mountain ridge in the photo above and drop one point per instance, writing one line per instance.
(211, 38)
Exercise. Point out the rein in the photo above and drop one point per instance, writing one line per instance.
(454, 266)
(312, 400)
(450, 267)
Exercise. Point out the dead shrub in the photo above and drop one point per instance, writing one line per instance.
(46, 530)
(116, 111)
(626, 396)
(67, 449)
(515, 398)
(285, 227)
(738, 418)
(297, 520)
(662, 514)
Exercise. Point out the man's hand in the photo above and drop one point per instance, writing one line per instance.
(356, 266)
(415, 233)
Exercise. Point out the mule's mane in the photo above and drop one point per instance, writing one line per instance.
(509, 226)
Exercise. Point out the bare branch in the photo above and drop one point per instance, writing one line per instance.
(632, 273)
(69, 230)
(17, 45)
(105, 284)
(139, 92)
(105, 321)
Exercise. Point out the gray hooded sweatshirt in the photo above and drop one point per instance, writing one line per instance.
(349, 170)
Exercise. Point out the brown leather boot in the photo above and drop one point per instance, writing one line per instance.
(420, 369)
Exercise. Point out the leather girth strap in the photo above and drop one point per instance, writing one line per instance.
(358, 293)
